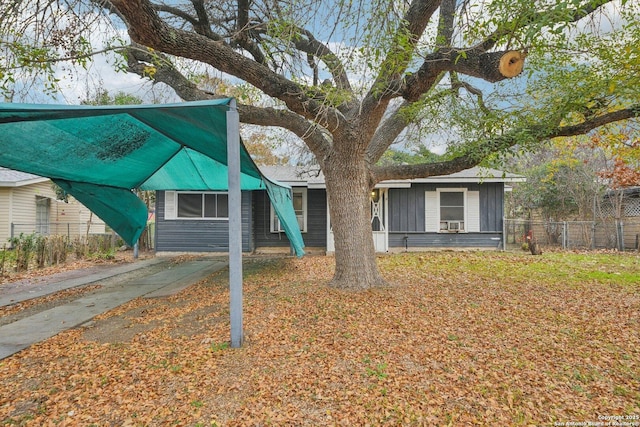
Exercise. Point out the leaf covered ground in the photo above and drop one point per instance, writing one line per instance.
(482, 338)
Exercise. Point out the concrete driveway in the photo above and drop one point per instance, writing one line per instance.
(154, 277)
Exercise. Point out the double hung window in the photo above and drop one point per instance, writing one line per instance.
(300, 208)
(192, 205)
(452, 211)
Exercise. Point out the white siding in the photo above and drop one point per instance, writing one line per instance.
(24, 201)
(84, 215)
(5, 215)
(18, 206)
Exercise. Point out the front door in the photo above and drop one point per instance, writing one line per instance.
(379, 221)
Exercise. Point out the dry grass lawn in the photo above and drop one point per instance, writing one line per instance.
(458, 339)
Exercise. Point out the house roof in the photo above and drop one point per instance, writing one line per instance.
(12, 178)
(296, 176)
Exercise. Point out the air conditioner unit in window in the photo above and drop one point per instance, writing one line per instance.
(454, 226)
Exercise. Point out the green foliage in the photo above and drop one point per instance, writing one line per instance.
(560, 188)
(24, 246)
(378, 371)
(37, 38)
(103, 97)
(96, 246)
(30, 251)
(6, 258)
(415, 156)
(60, 193)
(219, 346)
(564, 270)
(21, 58)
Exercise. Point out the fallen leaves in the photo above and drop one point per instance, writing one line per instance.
(490, 339)
(64, 295)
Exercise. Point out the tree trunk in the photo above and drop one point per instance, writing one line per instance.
(349, 204)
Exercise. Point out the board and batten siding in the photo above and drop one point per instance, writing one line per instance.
(201, 235)
(314, 237)
(413, 216)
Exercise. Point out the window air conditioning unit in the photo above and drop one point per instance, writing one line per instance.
(454, 226)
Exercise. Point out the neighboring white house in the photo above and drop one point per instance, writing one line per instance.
(28, 205)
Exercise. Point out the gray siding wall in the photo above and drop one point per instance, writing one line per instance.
(444, 240)
(491, 206)
(407, 208)
(316, 236)
(200, 235)
(407, 218)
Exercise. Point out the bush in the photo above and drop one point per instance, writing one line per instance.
(23, 246)
(44, 251)
(7, 258)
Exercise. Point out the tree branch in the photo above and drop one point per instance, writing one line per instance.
(313, 47)
(535, 133)
(477, 61)
(492, 67)
(445, 23)
(393, 126)
(187, 90)
(386, 133)
(139, 56)
(456, 84)
(596, 121)
(526, 19)
(400, 54)
(146, 28)
(310, 133)
(242, 35)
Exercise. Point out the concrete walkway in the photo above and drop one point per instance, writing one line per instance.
(165, 279)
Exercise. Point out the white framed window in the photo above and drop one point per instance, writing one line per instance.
(196, 205)
(300, 208)
(452, 210)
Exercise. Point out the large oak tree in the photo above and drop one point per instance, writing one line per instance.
(350, 79)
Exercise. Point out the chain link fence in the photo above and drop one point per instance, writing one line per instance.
(583, 235)
(67, 229)
(82, 231)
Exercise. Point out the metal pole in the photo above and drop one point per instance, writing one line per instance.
(235, 226)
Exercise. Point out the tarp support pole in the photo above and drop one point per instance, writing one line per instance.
(235, 226)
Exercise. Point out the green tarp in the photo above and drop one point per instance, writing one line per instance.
(99, 154)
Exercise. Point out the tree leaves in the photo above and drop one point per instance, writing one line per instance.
(459, 339)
